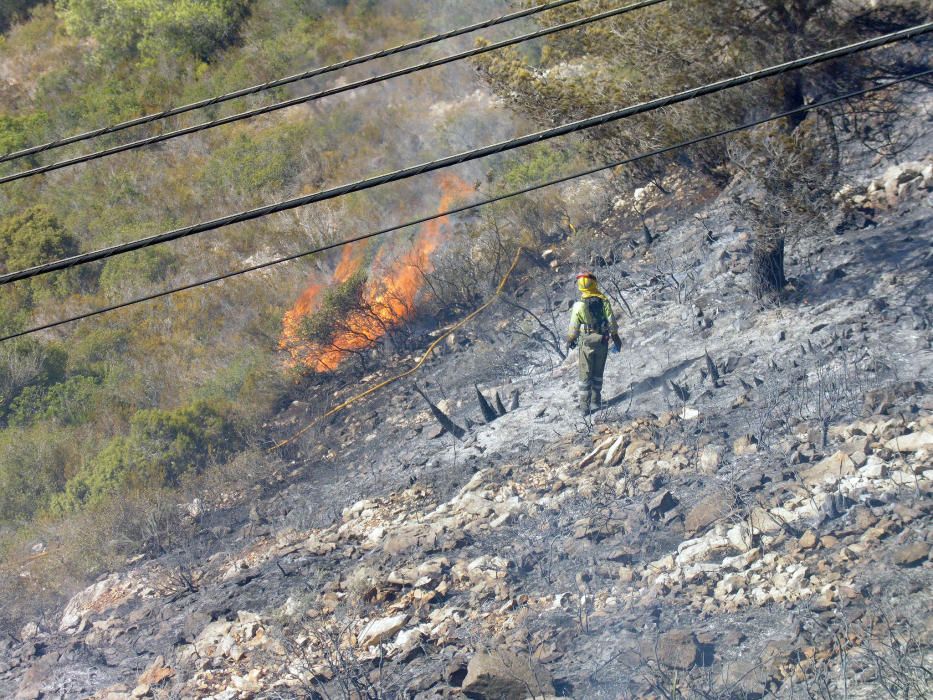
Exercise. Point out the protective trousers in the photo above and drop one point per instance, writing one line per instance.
(594, 348)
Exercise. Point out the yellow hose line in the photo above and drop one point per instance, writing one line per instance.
(417, 366)
(31, 558)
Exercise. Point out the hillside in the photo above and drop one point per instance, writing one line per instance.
(723, 546)
(201, 498)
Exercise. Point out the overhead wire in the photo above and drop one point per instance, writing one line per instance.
(280, 82)
(248, 114)
(430, 166)
(467, 207)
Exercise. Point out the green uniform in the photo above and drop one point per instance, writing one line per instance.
(592, 332)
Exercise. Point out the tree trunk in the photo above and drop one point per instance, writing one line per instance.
(768, 265)
(793, 98)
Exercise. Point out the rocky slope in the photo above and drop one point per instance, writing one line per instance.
(749, 517)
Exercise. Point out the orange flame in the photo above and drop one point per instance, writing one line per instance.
(390, 294)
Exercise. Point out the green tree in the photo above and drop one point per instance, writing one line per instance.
(149, 28)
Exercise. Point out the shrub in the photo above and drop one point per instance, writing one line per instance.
(26, 362)
(18, 132)
(33, 466)
(127, 274)
(149, 28)
(252, 163)
(70, 402)
(162, 446)
(34, 237)
(337, 303)
(96, 350)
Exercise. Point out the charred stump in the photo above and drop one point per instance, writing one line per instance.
(489, 413)
(711, 369)
(768, 265)
(500, 407)
(442, 417)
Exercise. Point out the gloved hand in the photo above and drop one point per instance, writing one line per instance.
(615, 349)
(616, 344)
(571, 344)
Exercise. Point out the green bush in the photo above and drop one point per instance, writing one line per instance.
(33, 466)
(126, 274)
(269, 160)
(17, 132)
(96, 350)
(34, 237)
(150, 28)
(70, 402)
(161, 448)
(27, 363)
(15, 11)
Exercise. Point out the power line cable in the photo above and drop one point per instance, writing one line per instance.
(248, 114)
(430, 166)
(279, 82)
(468, 207)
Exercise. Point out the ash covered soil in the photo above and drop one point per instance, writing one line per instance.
(748, 517)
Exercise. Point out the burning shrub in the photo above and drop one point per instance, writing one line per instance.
(337, 303)
(351, 317)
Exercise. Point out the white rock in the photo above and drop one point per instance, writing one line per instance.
(874, 468)
(614, 451)
(910, 442)
(710, 458)
(740, 537)
(378, 631)
(689, 413)
(83, 601)
(700, 549)
(741, 561)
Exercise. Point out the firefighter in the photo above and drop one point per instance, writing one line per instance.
(592, 325)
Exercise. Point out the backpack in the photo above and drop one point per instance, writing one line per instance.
(596, 314)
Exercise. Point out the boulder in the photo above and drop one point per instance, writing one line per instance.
(155, 673)
(807, 540)
(661, 503)
(745, 445)
(832, 468)
(911, 554)
(378, 631)
(710, 459)
(704, 513)
(501, 674)
(912, 442)
(677, 649)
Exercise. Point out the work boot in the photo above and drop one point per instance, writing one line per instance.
(596, 402)
(585, 403)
